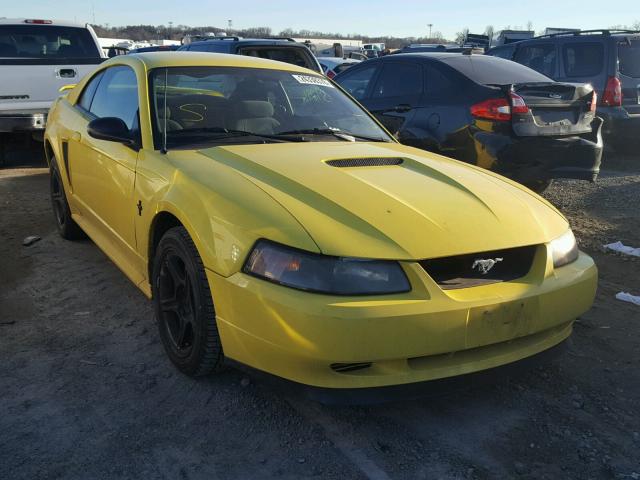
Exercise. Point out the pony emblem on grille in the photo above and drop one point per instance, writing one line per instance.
(484, 266)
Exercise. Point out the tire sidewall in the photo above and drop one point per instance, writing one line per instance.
(173, 243)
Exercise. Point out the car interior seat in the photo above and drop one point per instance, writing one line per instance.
(256, 116)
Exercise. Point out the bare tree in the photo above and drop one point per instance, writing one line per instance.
(530, 25)
(462, 36)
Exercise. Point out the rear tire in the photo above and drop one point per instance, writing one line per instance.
(538, 186)
(67, 227)
(184, 306)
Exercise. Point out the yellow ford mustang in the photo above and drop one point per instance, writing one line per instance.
(274, 223)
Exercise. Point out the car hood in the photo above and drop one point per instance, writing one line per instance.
(427, 206)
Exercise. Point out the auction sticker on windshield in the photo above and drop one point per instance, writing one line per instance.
(308, 79)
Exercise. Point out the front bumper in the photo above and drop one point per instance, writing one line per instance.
(23, 122)
(426, 334)
(528, 159)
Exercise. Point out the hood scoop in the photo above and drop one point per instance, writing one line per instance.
(364, 162)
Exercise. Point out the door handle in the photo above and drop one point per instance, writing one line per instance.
(67, 73)
(75, 136)
(402, 108)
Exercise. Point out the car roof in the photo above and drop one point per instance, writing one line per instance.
(255, 41)
(54, 23)
(196, 59)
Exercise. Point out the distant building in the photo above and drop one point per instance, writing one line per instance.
(509, 36)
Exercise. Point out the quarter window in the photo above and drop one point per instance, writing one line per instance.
(541, 58)
(583, 59)
(89, 91)
(117, 95)
(399, 80)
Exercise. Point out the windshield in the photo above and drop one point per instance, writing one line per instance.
(629, 58)
(223, 105)
(46, 42)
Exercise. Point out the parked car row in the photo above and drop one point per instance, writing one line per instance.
(531, 122)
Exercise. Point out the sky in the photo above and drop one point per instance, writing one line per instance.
(369, 17)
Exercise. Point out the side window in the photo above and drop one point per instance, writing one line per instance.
(399, 80)
(502, 52)
(583, 59)
(89, 90)
(357, 82)
(117, 95)
(541, 58)
(437, 83)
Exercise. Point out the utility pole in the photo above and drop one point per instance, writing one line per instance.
(429, 25)
(93, 13)
(170, 25)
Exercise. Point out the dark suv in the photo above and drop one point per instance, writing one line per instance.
(608, 59)
(281, 49)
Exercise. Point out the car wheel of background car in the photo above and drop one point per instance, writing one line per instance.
(67, 227)
(538, 186)
(184, 306)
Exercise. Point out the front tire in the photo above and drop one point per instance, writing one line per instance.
(184, 306)
(67, 227)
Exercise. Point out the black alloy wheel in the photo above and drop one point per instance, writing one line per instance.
(184, 306)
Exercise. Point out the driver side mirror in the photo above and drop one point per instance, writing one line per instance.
(111, 129)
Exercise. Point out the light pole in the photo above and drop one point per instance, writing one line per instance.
(429, 25)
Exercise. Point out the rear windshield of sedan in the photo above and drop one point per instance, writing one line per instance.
(487, 70)
(46, 42)
(629, 58)
(220, 104)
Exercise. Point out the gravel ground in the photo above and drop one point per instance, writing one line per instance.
(86, 390)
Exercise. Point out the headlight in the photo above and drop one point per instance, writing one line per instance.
(564, 249)
(324, 274)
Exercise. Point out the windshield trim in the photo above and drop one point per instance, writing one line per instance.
(157, 136)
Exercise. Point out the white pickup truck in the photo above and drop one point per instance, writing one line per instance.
(37, 58)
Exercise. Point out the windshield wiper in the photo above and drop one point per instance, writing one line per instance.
(336, 132)
(227, 133)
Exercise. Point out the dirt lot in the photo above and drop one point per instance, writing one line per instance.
(87, 392)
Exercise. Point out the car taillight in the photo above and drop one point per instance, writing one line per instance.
(612, 96)
(517, 104)
(492, 109)
(39, 22)
(330, 73)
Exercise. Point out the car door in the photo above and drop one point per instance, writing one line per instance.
(102, 173)
(396, 94)
(441, 117)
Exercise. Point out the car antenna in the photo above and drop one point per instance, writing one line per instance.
(164, 128)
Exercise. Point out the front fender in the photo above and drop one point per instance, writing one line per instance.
(224, 213)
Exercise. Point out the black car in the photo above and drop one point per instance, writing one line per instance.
(281, 49)
(484, 110)
(608, 59)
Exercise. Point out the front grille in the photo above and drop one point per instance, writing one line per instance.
(364, 162)
(465, 271)
(349, 367)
